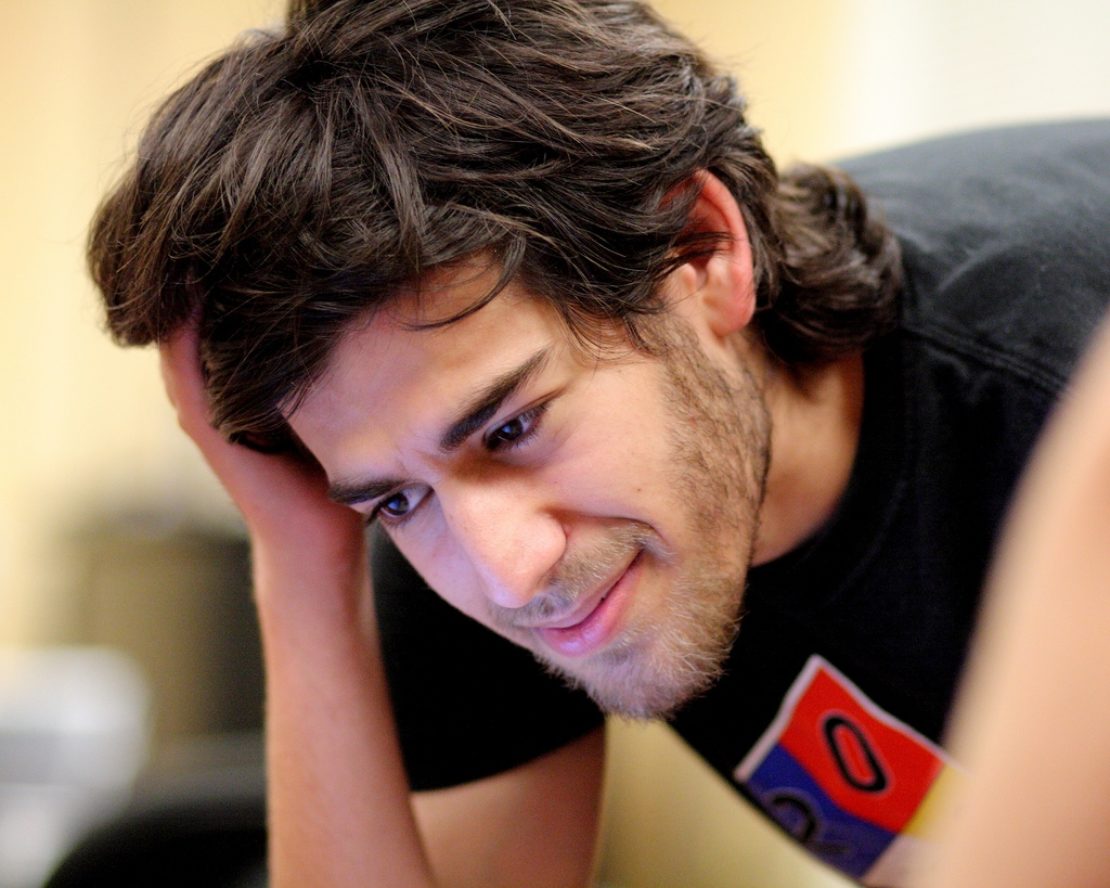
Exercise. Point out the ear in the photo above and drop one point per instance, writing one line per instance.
(716, 293)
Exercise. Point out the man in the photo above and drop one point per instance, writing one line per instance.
(516, 282)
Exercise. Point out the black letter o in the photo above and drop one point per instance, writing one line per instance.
(878, 780)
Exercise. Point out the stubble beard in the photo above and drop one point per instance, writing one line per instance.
(720, 446)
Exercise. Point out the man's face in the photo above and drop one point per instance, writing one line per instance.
(599, 512)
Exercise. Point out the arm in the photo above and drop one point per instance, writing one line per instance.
(1034, 722)
(538, 822)
(339, 805)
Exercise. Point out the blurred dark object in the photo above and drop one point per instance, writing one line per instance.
(198, 819)
(176, 597)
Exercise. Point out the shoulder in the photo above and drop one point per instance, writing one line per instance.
(1003, 238)
(1028, 166)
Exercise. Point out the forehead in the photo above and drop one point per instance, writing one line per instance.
(388, 372)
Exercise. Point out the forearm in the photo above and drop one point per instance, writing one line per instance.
(1035, 722)
(339, 805)
(338, 800)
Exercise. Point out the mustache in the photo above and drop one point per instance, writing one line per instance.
(579, 574)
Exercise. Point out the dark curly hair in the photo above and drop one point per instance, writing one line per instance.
(307, 174)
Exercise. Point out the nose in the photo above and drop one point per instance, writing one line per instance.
(509, 536)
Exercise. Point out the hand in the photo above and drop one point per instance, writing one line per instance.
(337, 794)
(282, 497)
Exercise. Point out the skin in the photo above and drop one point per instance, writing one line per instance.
(340, 811)
(1033, 722)
(595, 486)
(603, 512)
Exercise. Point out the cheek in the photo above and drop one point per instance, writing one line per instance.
(448, 574)
(621, 442)
(466, 598)
(623, 469)
(445, 567)
(461, 595)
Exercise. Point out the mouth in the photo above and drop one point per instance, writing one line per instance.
(593, 625)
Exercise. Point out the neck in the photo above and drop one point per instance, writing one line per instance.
(815, 425)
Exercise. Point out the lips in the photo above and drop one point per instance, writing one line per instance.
(585, 608)
(596, 621)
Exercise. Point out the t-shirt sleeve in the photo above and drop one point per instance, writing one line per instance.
(468, 703)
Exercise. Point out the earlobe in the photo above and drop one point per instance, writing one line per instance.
(718, 287)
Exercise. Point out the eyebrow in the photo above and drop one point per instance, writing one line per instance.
(478, 410)
(487, 401)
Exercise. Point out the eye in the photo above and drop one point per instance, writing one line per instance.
(397, 508)
(516, 431)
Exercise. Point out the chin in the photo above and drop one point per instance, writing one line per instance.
(633, 683)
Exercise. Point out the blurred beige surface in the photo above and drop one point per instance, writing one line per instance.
(86, 432)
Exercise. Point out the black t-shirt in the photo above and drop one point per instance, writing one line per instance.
(837, 690)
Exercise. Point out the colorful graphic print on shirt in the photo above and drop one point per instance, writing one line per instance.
(859, 788)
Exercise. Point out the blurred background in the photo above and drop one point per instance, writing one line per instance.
(112, 534)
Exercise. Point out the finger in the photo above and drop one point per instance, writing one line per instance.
(184, 381)
(180, 361)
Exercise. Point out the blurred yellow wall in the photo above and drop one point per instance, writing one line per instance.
(85, 427)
